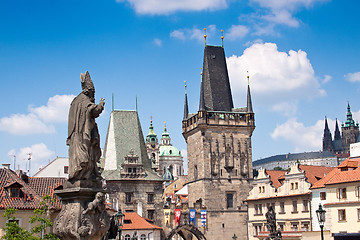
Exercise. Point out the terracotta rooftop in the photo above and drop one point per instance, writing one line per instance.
(136, 222)
(341, 174)
(275, 175)
(31, 190)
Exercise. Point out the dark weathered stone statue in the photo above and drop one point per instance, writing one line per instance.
(83, 215)
(271, 224)
(83, 138)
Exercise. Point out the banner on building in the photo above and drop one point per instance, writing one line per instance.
(177, 216)
(203, 218)
(192, 216)
(167, 216)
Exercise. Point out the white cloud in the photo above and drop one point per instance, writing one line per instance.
(353, 77)
(40, 155)
(159, 7)
(327, 78)
(157, 42)
(39, 119)
(277, 12)
(21, 124)
(286, 108)
(303, 138)
(275, 77)
(236, 32)
(56, 110)
(194, 33)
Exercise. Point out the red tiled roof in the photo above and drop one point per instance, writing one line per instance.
(137, 222)
(31, 191)
(338, 176)
(275, 175)
(314, 173)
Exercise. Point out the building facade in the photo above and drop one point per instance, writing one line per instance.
(59, 167)
(288, 192)
(132, 183)
(219, 151)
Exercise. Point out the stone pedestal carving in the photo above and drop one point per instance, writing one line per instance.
(83, 215)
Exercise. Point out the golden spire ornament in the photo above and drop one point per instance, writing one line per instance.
(222, 38)
(205, 35)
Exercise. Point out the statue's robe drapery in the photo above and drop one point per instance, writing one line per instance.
(83, 139)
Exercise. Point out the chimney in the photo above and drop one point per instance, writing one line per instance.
(6, 165)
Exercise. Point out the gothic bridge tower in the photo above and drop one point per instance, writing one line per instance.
(219, 151)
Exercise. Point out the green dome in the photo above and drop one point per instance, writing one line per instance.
(169, 150)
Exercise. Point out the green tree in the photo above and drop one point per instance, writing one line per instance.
(40, 220)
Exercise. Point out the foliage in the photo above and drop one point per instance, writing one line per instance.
(278, 168)
(40, 221)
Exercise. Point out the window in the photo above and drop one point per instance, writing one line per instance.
(151, 214)
(305, 205)
(263, 189)
(14, 192)
(259, 189)
(294, 204)
(229, 200)
(292, 186)
(305, 226)
(341, 193)
(258, 209)
(322, 195)
(257, 229)
(282, 207)
(357, 191)
(342, 215)
(143, 237)
(294, 226)
(127, 237)
(281, 226)
(150, 198)
(296, 185)
(358, 214)
(66, 169)
(195, 172)
(14, 221)
(128, 197)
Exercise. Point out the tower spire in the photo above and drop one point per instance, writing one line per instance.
(202, 100)
(186, 108)
(327, 138)
(349, 120)
(249, 102)
(337, 135)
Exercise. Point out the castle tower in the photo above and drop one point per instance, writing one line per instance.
(349, 131)
(152, 147)
(219, 151)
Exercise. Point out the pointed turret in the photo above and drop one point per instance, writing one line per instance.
(215, 92)
(327, 138)
(186, 108)
(337, 135)
(202, 100)
(151, 137)
(249, 108)
(165, 137)
(349, 120)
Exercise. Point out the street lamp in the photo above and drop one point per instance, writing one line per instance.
(119, 221)
(234, 237)
(321, 218)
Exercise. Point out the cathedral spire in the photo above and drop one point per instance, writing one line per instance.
(249, 108)
(186, 108)
(337, 135)
(327, 138)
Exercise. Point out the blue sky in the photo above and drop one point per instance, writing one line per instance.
(302, 57)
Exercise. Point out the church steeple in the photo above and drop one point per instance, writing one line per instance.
(327, 138)
(349, 120)
(151, 137)
(165, 138)
(337, 135)
(249, 108)
(186, 108)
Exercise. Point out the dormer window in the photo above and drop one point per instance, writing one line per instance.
(14, 192)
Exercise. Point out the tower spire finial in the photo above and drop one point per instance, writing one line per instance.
(186, 108)
(222, 38)
(249, 102)
(202, 100)
(248, 77)
(205, 35)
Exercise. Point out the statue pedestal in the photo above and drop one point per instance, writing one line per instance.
(83, 215)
